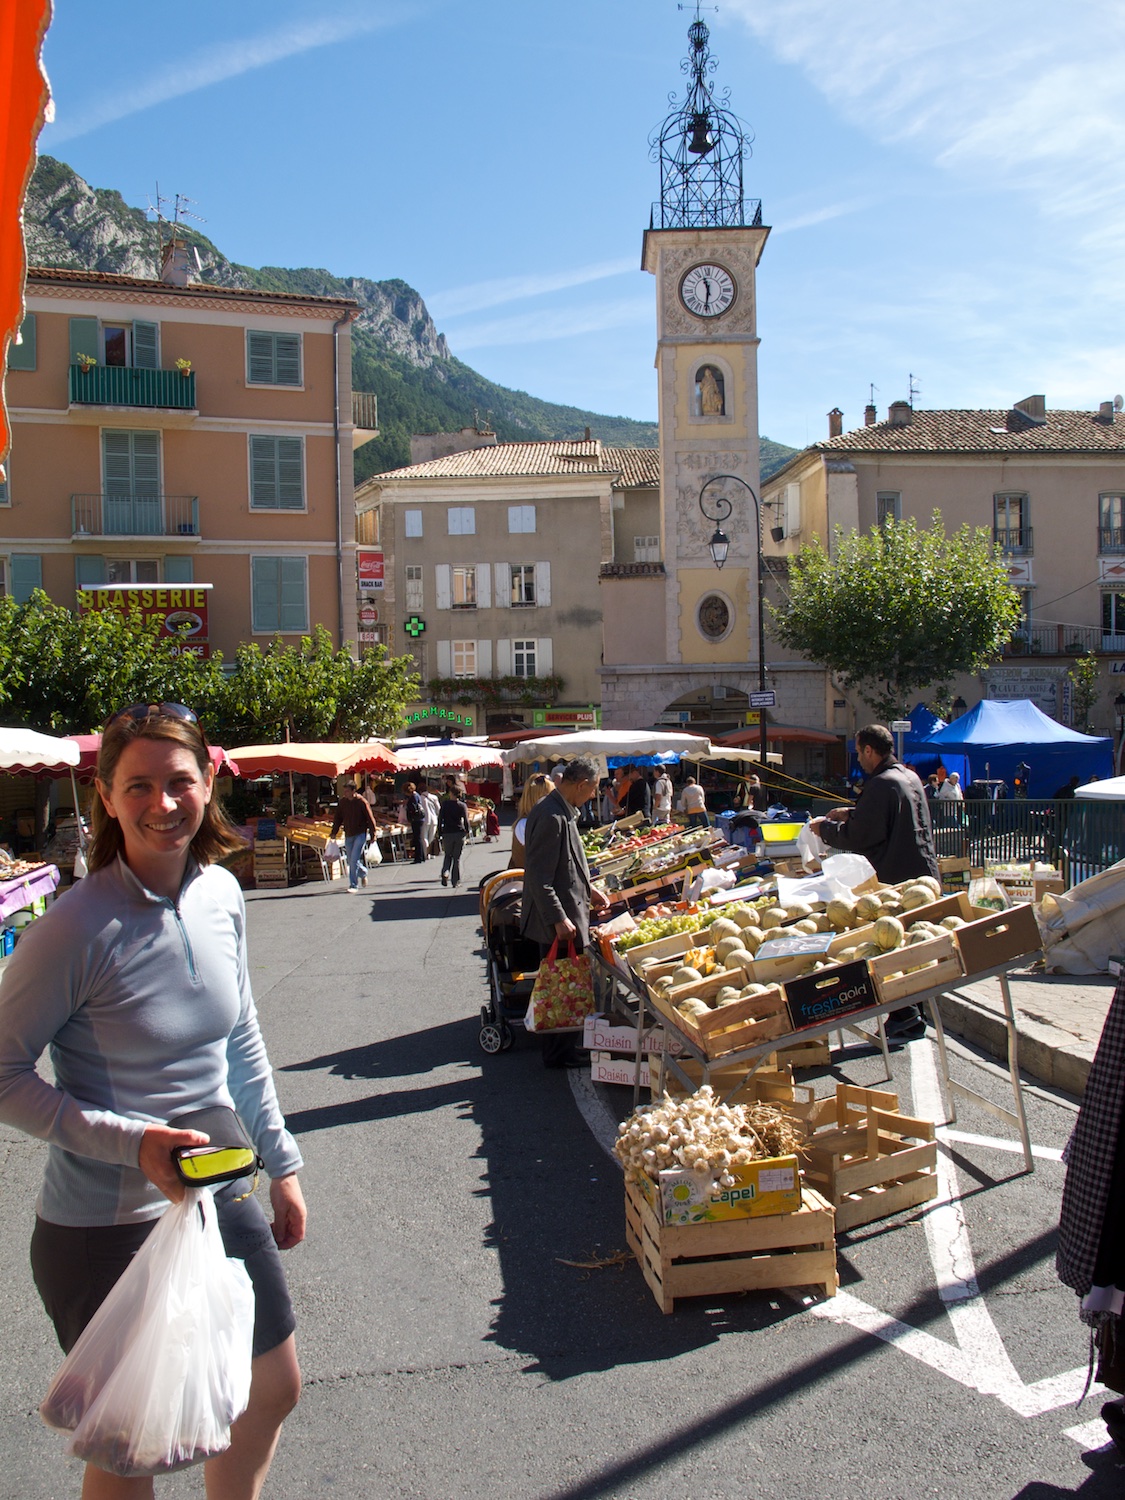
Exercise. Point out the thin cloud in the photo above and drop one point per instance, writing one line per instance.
(199, 70)
(819, 215)
(502, 290)
(535, 328)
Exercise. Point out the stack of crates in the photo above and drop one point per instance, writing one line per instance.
(270, 865)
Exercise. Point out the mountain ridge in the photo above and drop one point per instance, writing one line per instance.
(397, 350)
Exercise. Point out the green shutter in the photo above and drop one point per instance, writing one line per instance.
(287, 358)
(21, 356)
(265, 585)
(259, 358)
(290, 474)
(146, 348)
(273, 358)
(131, 463)
(89, 571)
(179, 569)
(276, 473)
(293, 611)
(83, 338)
(27, 575)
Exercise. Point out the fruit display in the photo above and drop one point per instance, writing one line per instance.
(18, 869)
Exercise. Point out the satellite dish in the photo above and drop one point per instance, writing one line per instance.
(1118, 402)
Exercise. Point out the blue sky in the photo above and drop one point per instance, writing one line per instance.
(944, 182)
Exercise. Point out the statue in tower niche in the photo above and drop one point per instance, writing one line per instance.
(712, 398)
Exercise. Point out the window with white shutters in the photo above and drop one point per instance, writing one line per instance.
(462, 520)
(277, 473)
(273, 358)
(464, 588)
(521, 519)
(523, 658)
(646, 549)
(523, 585)
(888, 507)
(464, 658)
(279, 595)
(413, 589)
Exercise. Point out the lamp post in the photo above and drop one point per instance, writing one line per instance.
(719, 546)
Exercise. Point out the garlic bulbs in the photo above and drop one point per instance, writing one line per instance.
(700, 1134)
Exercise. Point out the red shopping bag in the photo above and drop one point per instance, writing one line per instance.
(564, 991)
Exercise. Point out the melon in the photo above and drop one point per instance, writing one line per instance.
(868, 907)
(685, 974)
(723, 927)
(889, 933)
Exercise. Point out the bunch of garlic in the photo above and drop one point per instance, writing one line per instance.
(703, 1135)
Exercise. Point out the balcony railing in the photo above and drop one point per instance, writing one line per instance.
(365, 410)
(1016, 541)
(134, 515)
(1111, 539)
(1063, 640)
(119, 385)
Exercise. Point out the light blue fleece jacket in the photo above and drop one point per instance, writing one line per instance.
(145, 1006)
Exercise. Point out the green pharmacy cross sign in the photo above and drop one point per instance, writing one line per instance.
(415, 627)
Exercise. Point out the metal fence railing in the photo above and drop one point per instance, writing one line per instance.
(1078, 836)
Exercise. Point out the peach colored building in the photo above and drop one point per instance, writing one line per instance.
(173, 435)
(1050, 487)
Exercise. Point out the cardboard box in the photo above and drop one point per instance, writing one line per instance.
(771, 1186)
(605, 1068)
(600, 1035)
(823, 998)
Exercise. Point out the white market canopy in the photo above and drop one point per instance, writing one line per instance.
(455, 756)
(1112, 789)
(609, 743)
(731, 752)
(24, 748)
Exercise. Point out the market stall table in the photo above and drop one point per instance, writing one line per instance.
(22, 890)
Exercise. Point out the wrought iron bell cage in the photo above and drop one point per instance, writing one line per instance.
(701, 147)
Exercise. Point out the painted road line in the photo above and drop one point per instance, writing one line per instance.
(1044, 1153)
(1090, 1435)
(847, 1310)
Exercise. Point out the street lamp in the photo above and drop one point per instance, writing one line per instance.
(719, 546)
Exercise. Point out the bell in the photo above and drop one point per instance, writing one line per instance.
(701, 139)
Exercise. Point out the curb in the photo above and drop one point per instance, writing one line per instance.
(1046, 1053)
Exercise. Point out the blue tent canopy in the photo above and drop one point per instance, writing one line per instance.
(996, 736)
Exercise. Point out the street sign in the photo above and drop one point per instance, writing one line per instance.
(763, 700)
(902, 726)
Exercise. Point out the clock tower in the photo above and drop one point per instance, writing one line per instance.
(703, 245)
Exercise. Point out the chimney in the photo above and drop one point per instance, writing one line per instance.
(900, 414)
(835, 422)
(1033, 407)
(179, 263)
(1105, 412)
(869, 415)
(587, 434)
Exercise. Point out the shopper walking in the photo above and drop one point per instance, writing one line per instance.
(354, 816)
(693, 802)
(432, 806)
(416, 817)
(137, 983)
(662, 798)
(453, 828)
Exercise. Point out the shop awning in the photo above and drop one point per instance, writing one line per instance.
(454, 756)
(781, 734)
(25, 750)
(732, 752)
(330, 760)
(85, 761)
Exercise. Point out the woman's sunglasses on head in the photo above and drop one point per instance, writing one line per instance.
(154, 710)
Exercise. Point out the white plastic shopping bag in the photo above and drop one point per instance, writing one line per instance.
(163, 1367)
(372, 855)
(332, 850)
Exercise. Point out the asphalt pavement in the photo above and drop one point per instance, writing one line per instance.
(459, 1334)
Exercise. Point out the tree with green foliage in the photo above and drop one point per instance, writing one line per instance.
(1083, 678)
(898, 608)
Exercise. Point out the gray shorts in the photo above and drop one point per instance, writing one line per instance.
(75, 1268)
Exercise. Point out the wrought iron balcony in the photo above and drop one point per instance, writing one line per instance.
(134, 515)
(1016, 541)
(365, 417)
(1111, 539)
(1061, 640)
(120, 385)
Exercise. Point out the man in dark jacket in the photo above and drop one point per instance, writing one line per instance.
(890, 826)
(556, 881)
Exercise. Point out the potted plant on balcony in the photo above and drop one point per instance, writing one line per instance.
(85, 362)
(184, 366)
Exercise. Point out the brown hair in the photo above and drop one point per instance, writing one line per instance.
(876, 737)
(535, 789)
(216, 836)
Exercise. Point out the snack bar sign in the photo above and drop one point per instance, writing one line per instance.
(180, 609)
(369, 566)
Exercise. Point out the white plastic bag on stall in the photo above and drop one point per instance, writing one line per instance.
(811, 847)
(839, 876)
(163, 1367)
(372, 854)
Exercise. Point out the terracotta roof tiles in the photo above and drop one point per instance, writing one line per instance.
(636, 466)
(41, 275)
(1011, 431)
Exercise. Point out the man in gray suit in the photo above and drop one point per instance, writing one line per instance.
(557, 895)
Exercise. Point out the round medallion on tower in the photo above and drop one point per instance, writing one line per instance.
(708, 290)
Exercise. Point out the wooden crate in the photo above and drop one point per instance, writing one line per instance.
(769, 1085)
(815, 1053)
(866, 1158)
(746, 1023)
(934, 962)
(263, 882)
(736, 1255)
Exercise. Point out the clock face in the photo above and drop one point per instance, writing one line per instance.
(707, 290)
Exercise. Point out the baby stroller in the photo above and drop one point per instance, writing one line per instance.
(513, 960)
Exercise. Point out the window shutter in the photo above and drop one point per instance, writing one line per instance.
(146, 346)
(544, 657)
(293, 605)
(444, 659)
(259, 358)
(27, 575)
(146, 462)
(503, 658)
(503, 573)
(265, 577)
(89, 571)
(83, 338)
(263, 472)
(21, 356)
(484, 658)
(443, 579)
(290, 474)
(117, 462)
(792, 509)
(484, 586)
(287, 358)
(542, 583)
(178, 569)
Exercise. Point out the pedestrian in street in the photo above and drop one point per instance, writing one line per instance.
(693, 802)
(638, 797)
(415, 810)
(137, 983)
(890, 825)
(662, 797)
(535, 789)
(1091, 1253)
(353, 814)
(432, 808)
(557, 894)
(950, 789)
(453, 828)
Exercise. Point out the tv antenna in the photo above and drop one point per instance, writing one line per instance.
(914, 389)
(871, 389)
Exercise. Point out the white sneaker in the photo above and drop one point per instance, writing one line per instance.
(353, 890)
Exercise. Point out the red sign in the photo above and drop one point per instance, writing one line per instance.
(369, 566)
(368, 616)
(180, 608)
